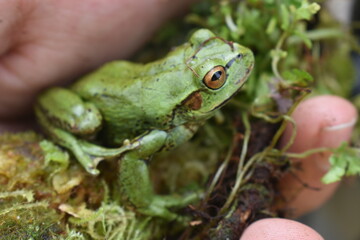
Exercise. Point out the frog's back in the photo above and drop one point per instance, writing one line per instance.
(132, 97)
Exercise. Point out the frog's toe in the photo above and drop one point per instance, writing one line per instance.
(90, 163)
(92, 170)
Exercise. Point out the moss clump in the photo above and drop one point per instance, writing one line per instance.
(44, 194)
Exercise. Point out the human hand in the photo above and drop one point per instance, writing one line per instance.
(45, 43)
(324, 121)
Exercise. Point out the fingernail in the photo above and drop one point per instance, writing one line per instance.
(341, 126)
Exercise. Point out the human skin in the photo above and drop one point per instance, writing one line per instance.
(323, 121)
(46, 43)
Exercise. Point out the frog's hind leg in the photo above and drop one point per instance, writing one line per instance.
(68, 141)
(63, 115)
(88, 154)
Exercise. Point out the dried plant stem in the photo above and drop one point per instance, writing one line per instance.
(240, 171)
(220, 170)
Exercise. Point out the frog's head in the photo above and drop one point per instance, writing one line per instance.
(219, 67)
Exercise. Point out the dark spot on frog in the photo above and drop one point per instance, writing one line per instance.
(105, 95)
(147, 88)
(238, 81)
(157, 79)
(193, 101)
(228, 65)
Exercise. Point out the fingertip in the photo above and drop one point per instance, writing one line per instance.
(323, 121)
(321, 117)
(337, 117)
(277, 228)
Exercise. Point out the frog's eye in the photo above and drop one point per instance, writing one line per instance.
(215, 78)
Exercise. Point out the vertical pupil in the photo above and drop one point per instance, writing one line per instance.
(216, 76)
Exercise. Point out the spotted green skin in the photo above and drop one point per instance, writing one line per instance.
(130, 111)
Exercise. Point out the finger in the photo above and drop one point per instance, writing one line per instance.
(276, 228)
(48, 42)
(324, 121)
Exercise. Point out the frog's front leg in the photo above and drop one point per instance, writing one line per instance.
(67, 118)
(134, 175)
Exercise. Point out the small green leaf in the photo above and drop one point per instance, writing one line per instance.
(53, 153)
(344, 162)
(262, 91)
(285, 19)
(304, 38)
(297, 76)
(225, 8)
(278, 53)
(271, 26)
(306, 11)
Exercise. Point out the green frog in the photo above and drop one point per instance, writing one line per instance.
(130, 111)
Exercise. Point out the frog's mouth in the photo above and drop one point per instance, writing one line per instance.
(224, 102)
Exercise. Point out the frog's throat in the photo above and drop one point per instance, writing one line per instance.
(224, 102)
